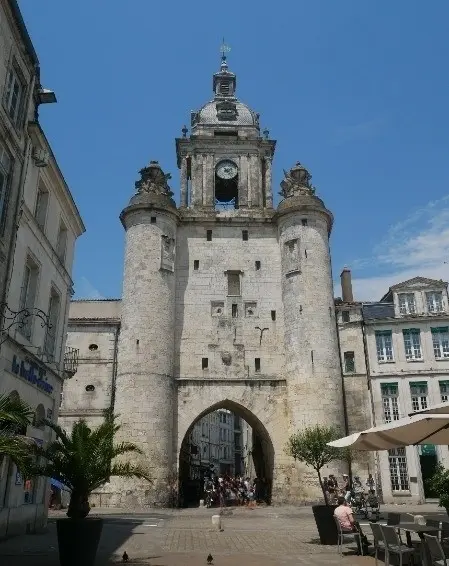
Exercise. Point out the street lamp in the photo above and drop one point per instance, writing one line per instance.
(46, 96)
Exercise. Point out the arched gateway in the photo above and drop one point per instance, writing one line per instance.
(227, 302)
(263, 420)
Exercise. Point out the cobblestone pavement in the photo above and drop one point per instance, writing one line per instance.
(266, 537)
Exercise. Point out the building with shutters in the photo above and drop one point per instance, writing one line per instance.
(400, 346)
(38, 229)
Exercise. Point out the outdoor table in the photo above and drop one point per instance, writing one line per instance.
(419, 530)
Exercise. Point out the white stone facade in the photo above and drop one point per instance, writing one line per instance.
(227, 304)
(38, 232)
(404, 341)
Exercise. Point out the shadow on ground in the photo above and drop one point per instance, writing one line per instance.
(42, 549)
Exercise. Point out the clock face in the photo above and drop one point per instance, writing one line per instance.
(226, 169)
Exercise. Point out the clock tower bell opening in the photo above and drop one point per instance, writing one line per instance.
(226, 185)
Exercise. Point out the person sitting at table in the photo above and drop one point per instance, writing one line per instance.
(344, 515)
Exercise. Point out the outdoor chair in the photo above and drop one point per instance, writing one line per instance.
(393, 545)
(445, 532)
(393, 518)
(432, 523)
(436, 551)
(344, 537)
(379, 542)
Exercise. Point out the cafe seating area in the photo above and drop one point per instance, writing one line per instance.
(402, 539)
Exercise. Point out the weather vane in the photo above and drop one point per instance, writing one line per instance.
(224, 49)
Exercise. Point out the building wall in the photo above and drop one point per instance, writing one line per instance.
(205, 326)
(32, 349)
(93, 330)
(356, 383)
(14, 139)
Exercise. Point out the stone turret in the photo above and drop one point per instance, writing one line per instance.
(312, 363)
(144, 388)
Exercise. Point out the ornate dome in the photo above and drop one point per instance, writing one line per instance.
(225, 110)
(208, 115)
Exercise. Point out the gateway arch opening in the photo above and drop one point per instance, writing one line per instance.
(226, 458)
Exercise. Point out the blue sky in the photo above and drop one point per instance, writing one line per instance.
(357, 91)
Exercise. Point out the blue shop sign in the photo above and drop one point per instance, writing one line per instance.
(30, 371)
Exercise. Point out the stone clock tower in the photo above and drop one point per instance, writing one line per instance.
(225, 163)
(227, 303)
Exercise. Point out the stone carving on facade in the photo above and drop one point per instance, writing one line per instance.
(154, 180)
(226, 358)
(291, 256)
(167, 253)
(297, 182)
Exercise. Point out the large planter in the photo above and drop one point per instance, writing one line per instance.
(78, 541)
(325, 523)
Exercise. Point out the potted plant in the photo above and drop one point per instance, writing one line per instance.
(439, 483)
(310, 447)
(83, 461)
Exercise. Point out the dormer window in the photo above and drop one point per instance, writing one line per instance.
(434, 301)
(407, 304)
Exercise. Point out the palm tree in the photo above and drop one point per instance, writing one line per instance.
(85, 459)
(14, 415)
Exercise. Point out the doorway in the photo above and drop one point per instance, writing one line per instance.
(428, 461)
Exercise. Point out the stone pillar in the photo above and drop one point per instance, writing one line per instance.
(254, 179)
(197, 181)
(208, 180)
(184, 195)
(145, 397)
(243, 181)
(268, 188)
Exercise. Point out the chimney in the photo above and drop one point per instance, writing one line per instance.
(346, 285)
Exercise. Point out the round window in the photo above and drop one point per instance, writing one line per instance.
(90, 387)
(93, 347)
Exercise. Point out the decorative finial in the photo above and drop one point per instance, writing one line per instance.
(153, 180)
(297, 182)
(184, 131)
(266, 133)
(224, 49)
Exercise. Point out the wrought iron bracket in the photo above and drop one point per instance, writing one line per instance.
(10, 319)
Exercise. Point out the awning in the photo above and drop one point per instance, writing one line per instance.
(440, 409)
(58, 484)
(419, 429)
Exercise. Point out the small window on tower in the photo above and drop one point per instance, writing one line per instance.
(304, 221)
(224, 88)
(245, 235)
(257, 364)
(345, 316)
(233, 283)
(209, 235)
(196, 264)
(204, 363)
(257, 265)
(153, 220)
(273, 315)
(234, 311)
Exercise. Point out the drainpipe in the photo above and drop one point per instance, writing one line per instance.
(345, 408)
(370, 389)
(114, 367)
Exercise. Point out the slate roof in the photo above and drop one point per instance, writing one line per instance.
(378, 310)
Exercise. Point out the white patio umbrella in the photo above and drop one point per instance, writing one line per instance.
(440, 409)
(419, 429)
